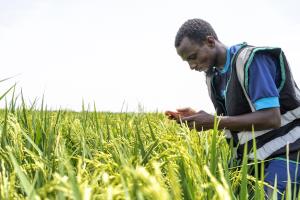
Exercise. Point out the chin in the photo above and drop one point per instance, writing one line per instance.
(209, 71)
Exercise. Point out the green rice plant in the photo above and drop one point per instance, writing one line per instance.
(48, 154)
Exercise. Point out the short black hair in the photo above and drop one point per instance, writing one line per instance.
(196, 30)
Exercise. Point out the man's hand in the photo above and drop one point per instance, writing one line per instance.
(172, 115)
(200, 121)
(261, 120)
(186, 112)
(181, 112)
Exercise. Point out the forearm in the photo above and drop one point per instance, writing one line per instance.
(261, 120)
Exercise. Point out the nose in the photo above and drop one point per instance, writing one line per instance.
(192, 65)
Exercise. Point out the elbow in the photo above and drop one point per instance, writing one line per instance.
(276, 123)
(271, 119)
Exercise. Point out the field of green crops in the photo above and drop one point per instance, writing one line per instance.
(96, 155)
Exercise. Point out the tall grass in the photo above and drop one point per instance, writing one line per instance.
(100, 155)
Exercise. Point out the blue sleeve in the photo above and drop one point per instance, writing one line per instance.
(263, 75)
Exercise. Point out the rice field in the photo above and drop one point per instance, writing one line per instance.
(100, 155)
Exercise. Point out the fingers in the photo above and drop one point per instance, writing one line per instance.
(181, 119)
(172, 115)
(191, 120)
(187, 109)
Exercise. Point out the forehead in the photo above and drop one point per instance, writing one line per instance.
(186, 46)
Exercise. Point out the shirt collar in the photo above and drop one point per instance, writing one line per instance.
(227, 64)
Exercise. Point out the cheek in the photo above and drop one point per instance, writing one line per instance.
(204, 59)
(207, 59)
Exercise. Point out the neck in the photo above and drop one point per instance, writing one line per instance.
(220, 55)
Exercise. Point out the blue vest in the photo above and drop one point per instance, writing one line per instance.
(272, 142)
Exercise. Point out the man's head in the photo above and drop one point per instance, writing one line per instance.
(196, 30)
(196, 43)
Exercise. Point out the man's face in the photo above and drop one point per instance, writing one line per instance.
(200, 57)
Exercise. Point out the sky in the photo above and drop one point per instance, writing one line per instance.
(120, 55)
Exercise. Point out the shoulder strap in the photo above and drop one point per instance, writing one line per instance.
(241, 58)
(239, 62)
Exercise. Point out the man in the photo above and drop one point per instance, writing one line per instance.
(249, 87)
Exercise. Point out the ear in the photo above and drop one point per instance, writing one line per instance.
(211, 42)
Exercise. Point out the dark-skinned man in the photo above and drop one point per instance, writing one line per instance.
(249, 87)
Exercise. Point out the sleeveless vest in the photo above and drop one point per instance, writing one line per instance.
(272, 142)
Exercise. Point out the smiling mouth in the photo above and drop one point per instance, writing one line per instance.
(198, 68)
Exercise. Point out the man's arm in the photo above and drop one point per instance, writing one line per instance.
(261, 119)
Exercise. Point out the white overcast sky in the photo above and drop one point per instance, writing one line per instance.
(116, 51)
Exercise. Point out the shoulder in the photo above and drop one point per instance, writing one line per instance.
(264, 57)
(235, 48)
(248, 51)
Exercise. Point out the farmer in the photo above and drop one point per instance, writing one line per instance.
(249, 86)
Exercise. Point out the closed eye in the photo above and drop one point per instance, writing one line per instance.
(192, 56)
